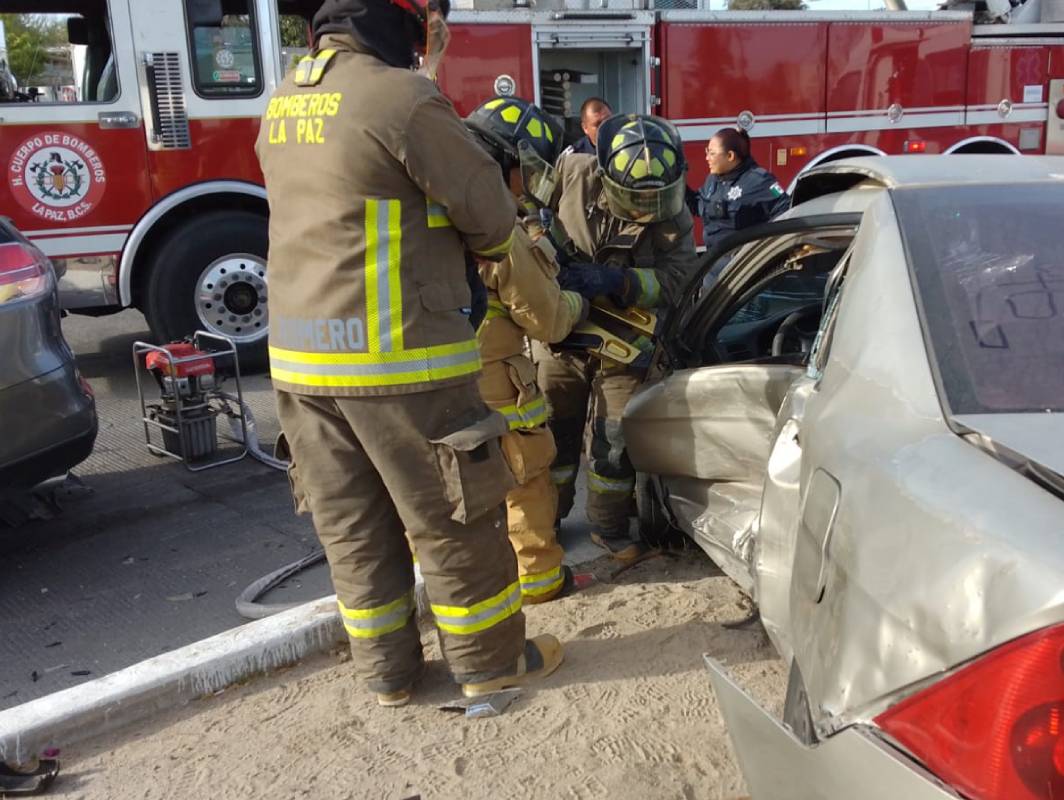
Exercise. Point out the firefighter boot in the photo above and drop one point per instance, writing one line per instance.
(618, 545)
(400, 697)
(395, 699)
(542, 656)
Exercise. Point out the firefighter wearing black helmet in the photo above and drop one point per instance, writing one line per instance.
(376, 191)
(525, 300)
(624, 210)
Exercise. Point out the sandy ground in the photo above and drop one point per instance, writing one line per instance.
(631, 714)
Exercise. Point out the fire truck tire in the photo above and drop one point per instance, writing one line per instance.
(210, 274)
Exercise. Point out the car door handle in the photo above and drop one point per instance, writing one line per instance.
(112, 120)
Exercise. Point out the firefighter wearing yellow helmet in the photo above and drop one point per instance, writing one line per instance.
(525, 300)
(623, 210)
(643, 169)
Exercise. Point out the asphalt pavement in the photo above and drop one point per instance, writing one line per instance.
(153, 556)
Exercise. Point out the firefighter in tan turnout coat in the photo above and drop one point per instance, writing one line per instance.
(622, 210)
(376, 189)
(525, 300)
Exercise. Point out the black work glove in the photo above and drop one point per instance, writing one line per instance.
(593, 280)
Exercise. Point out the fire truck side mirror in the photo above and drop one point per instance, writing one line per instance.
(77, 30)
(205, 13)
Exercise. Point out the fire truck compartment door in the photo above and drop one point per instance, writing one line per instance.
(577, 58)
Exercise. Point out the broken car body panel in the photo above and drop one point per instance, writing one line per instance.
(777, 765)
(883, 548)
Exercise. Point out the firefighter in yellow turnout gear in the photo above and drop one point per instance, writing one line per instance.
(376, 191)
(525, 300)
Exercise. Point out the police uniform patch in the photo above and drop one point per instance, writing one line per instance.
(735, 192)
(776, 189)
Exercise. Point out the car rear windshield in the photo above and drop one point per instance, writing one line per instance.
(988, 263)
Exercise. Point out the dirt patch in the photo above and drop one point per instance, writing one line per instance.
(631, 714)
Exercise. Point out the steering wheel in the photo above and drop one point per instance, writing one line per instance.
(790, 327)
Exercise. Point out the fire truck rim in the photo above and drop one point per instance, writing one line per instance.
(231, 296)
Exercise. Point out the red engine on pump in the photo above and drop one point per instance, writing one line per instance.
(189, 378)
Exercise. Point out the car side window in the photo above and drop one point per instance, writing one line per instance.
(788, 292)
(61, 54)
(818, 356)
(223, 48)
(750, 330)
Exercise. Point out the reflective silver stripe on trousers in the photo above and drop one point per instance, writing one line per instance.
(563, 474)
(512, 599)
(598, 482)
(554, 577)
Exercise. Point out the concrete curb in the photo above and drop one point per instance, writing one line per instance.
(169, 680)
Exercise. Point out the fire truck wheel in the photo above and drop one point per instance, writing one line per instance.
(210, 275)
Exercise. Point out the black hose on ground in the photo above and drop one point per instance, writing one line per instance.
(246, 603)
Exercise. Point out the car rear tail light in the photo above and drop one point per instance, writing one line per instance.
(86, 387)
(21, 272)
(994, 730)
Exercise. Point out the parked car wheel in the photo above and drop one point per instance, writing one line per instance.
(211, 275)
(654, 526)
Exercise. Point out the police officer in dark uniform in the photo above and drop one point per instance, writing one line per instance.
(738, 193)
(593, 112)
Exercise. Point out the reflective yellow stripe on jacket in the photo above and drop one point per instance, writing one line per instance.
(464, 620)
(496, 310)
(369, 623)
(384, 294)
(388, 362)
(499, 250)
(311, 68)
(397, 368)
(530, 415)
(649, 288)
(437, 215)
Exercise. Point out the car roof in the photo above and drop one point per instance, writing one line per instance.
(893, 172)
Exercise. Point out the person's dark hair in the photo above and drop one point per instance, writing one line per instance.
(590, 105)
(735, 140)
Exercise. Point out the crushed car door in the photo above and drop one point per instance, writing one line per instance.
(704, 423)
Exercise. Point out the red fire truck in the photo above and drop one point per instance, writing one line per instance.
(145, 187)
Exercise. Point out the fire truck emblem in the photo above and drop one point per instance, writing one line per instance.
(56, 176)
(56, 179)
(224, 58)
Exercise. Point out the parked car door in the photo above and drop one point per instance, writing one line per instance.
(705, 427)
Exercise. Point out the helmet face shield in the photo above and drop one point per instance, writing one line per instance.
(644, 205)
(537, 176)
(642, 165)
(519, 134)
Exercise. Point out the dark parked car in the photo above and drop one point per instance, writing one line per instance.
(47, 412)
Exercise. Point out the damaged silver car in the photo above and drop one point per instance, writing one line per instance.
(861, 423)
